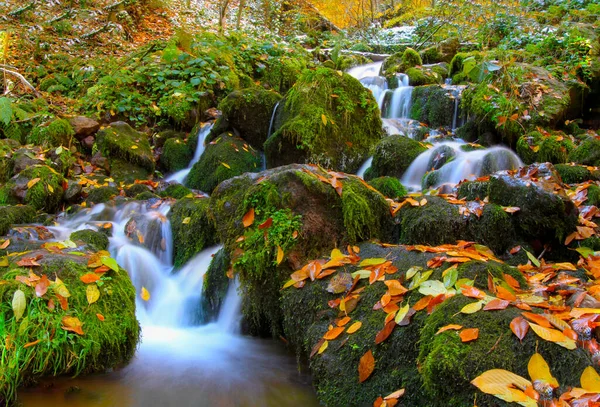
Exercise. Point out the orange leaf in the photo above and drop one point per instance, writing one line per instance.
(343, 321)
(449, 327)
(366, 365)
(42, 286)
(266, 224)
(504, 294)
(385, 332)
(468, 335)
(422, 303)
(100, 317)
(5, 244)
(496, 304)
(64, 304)
(30, 344)
(72, 324)
(101, 269)
(385, 300)
(395, 288)
(248, 218)
(470, 291)
(519, 327)
(333, 333)
(28, 262)
(538, 319)
(511, 209)
(89, 278)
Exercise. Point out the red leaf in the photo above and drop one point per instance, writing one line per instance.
(469, 291)
(266, 224)
(89, 278)
(385, 332)
(496, 304)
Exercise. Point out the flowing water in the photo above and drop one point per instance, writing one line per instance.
(181, 175)
(178, 363)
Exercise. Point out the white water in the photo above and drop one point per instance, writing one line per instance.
(181, 175)
(467, 165)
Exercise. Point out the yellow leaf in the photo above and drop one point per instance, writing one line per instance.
(472, 307)
(134, 147)
(323, 347)
(324, 119)
(402, 313)
(92, 293)
(145, 294)
(500, 383)
(590, 380)
(32, 182)
(553, 335)
(539, 370)
(279, 254)
(50, 189)
(225, 165)
(18, 304)
(372, 262)
(354, 327)
(60, 288)
(187, 220)
(289, 283)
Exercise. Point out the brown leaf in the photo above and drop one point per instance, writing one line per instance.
(385, 332)
(248, 218)
(366, 366)
(42, 286)
(496, 304)
(28, 262)
(468, 335)
(266, 224)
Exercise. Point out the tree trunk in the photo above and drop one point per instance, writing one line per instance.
(222, 15)
(239, 14)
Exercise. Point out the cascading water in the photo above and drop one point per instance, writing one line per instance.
(181, 175)
(178, 363)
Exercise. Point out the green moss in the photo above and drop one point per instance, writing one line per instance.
(494, 229)
(97, 240)
(119, 140)
(136, 189)
(101, 195)
(525, 144)
(176, 155)
(419, 76)
(11, 215)
(224, 158)
(176, 191)
(123, 171)
(393, 155)
(432, 105)
(248, 113)
(214, 288)
(58, 132)
(47, 193)
(400, 62)
(587, 153)
(146, 195)
(573, 174)
(193, 230)
(410, 58)
(363, 210)
(389, 187)
(431, 55)
(328, 119)
(556, 152)
(593, 196)
(105, 344)
(472, 190)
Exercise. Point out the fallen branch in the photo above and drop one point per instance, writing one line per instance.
(21, 10)
(92, 34)
(66, 14)
(22, 79)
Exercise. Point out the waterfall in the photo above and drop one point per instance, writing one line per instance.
(181, 175)
(272, 119)
(364, 167)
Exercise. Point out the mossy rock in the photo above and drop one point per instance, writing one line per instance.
(150, 231)
(101, 195)
(494, 228)
(389, 186)
(6, 162)
(96, 240)
(159, 139)
(472, 190)
(433, 105)
(393, 155)
(543, 214)
(214, 288)
(11, 215)
(226, 157)
(58, 133)
(536, 147)
(419, 76)
(248, 113)
(124, 171)
(587, 153)
(121, 141)
(576, 174)
(193, 229)
(328, 118)
(146, 195)
(136, 189)
(176, 191)
(106, 343)
(526, 145)
(308, 218)
(176, 155)
(431, 55)
(45, 194)
(593, 195)
(400, 62)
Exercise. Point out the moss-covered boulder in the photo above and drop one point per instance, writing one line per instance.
(472, 190)
(327, 118)
(214, 287)
(176, 191)
(389, 186)
(575, 174)
(6, 162)
(123, 171)
(39, 186)
(587, 153)
(248, 112)
(419, 76)
(538, 147)
(225, 157)
(11, 215)
(136, 189)
(393, 155)
(58, 132)
(400, 62)
(96, 240)
(433, 105)
(120, 141)
(176, 155)
(296, 212)
(69, 340)
(545, 212)
(193, 229)
(101, 194)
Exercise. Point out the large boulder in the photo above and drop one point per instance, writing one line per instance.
(176, 155)
(393, 155)
(39, 186)
(327, 118)
(225, 157)
(248, 113)
(587, 153)
(11, 215)
(434, 105)
(61, 325)
(84, 126)
(120, 142)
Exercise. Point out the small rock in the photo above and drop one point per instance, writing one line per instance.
(73, 192)
(84, 126)
(99, 161)
(212, 113)
(88, 142)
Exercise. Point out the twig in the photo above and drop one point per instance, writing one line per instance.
(22, 79)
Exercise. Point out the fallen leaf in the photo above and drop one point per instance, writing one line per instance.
(519, 327)
(92, 293)
(279, 255)
(32, 182)
(553, 335)
(266, 224)
(226, 165)
(333, 333)
(323, 347)
(72, 324)
(5, 244)
(385, 332)
(590, 380)
(248, 218)
(496, 304)
(539, 370)
(145, 294)
(187, 220)
(468, 335)
(354, 327)
(89, 278)
(472, 307)
(453, 327)
(100, 317)
(18, 304)
(504, 385)
(366, 365)
(30, 344)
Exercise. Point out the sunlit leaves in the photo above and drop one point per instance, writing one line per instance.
(553, 335)
(539, 370)
(248, 218)
(590, 380)
(333, 333)
(72, 324)
(472, 307)
(505, 385)
(354, 327)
